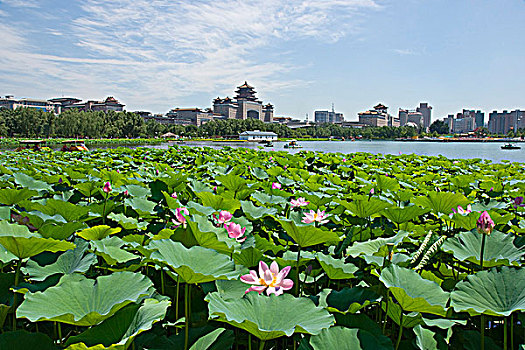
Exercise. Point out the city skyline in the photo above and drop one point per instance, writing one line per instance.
(302, 56)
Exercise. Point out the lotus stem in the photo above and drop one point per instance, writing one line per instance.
(511, 331)
(104, 209)
(186, 312)
(482, 329)
(59, 327)
(482, 251)
(297, 280)
(15, 295)
(400, 335)
(505, 331)
(249, 341)
(261, 345)
(386, 312)
(162, 280)
(177, 305)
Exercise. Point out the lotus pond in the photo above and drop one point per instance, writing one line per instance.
(196, 248)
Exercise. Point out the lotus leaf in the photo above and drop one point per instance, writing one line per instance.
(216, 340)
(348, 339)
(270, 317)
(308, 235)
(98, 232)
(412, 292)
(374, 246)
(441, 202)
(84, 302)
(28, 182)
(193, 265)
(110, 248)
(364, 208)
(495, 292)
(348, 300)
(23, 340)
(11, 196)
(336, 268)
(218, 202)
(253, 212)
(141, 205)
(402, 215)
(19, 241)
(499, 248)
(118, 331)
(67, 263)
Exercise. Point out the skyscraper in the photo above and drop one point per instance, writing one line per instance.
(426, 110)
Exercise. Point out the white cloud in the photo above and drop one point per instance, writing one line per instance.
(157, 52)
(406, 52)
(21, 3)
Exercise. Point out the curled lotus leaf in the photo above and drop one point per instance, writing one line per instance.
(413, 292)
(341, 338)
(270, 317)
(495, 292)
(81, 301)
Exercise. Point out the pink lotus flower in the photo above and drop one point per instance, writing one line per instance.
(276, 186)
(180, 219)
(235, 231)
(312, 216)
(174, 195)
(269, 278)
(214, 188)
(518, 202)
(485, 224)
(462, 211)
(126, 193)
(107, 187)
(299, 202)
(224, 217)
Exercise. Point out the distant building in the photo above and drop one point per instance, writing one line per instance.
(353, 125)
(426, 111)
(9, 102)
(192, 116)
(407, 116)
(257, 135)
(328, 116)
(244, 105)
(64, 102)
(502, 123)
(465, 121)
(378, 117)
(109, 104)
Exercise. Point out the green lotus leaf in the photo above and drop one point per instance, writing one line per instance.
(348, 300)
(259, 173)
(110, 248)
(218, 202)
(441, 202)
(336, 269)
(375, 246)
(51, 207)
(23, 340)
(137, 191)
(426, 339)
(30, 183)
(499, 248)
(264, 198)
(254, 213)
(6, 256)
(402, 215)
(467, 222)
(98, 232)
(11, 196)
(495, 292)
(84, 302)
(341, 338)
(248, 257)
(386, 183)
(395, 311)
(290, 258)
(232, 182)
(269, 317)
(209, 236)
(118, 331)
(126, 222)
(141, 205)
(5, 213)
(216, 340)
(364, 208)
(414, 293)
(194, 265)
(308, 235)
(233, 289)
(61, 231)
(67, 263)
(196, 207)
(19, 241)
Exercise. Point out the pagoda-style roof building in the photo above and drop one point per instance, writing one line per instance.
(380, 106)
(245, 92)
(244, 105)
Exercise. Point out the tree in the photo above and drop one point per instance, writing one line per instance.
(439, 127)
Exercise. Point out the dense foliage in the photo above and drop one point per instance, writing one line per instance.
(147, 248)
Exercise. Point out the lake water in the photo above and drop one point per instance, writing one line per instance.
(484, 150)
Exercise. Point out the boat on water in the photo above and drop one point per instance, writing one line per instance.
(35, 145)
(73, 146)
(292, 144)
(266, 143)
(510, 146)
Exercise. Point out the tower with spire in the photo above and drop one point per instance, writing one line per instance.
(244, 105)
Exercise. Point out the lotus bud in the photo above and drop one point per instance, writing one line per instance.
(107, 187)
(485, 224)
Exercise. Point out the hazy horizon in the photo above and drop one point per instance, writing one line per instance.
(300, 55)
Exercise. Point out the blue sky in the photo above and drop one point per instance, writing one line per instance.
(301, 55)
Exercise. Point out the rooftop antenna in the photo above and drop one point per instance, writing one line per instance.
(307, 117)
(333, 108)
